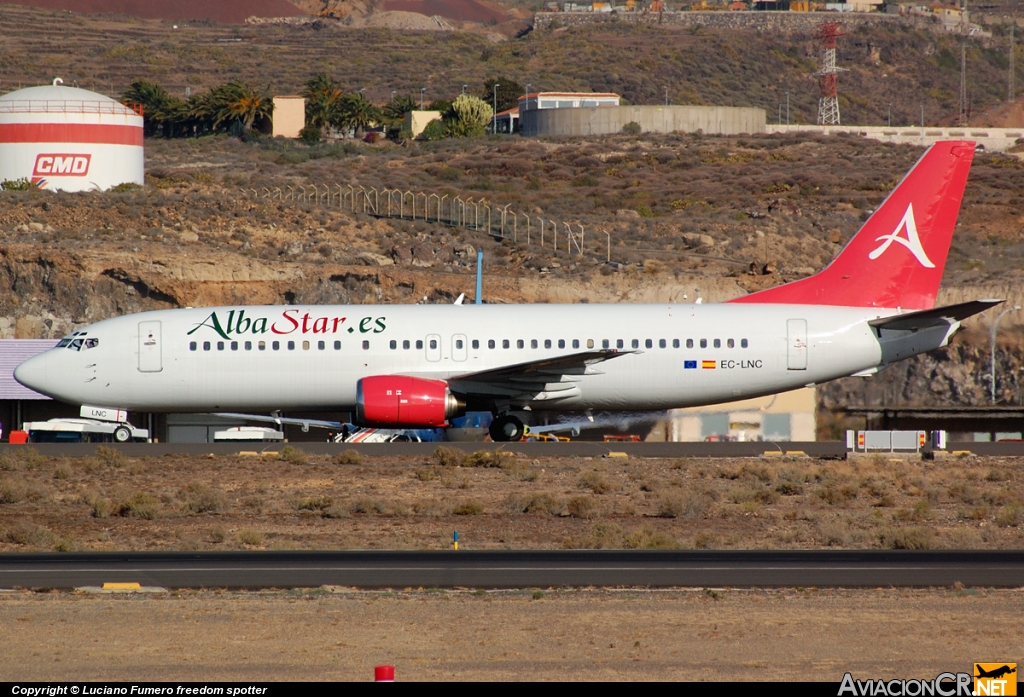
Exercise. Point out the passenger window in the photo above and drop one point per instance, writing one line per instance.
(291, 345)
(476, 344)
(743, 343)
(337, 345)
(458, 343)
(248, 345)
(689, 343)
(504, 343)
(366, 345)
(533, 343)
(661, 343)
(276, 345)
(262, 346)
(703, 343)
(730, 343)
(547, 343)
(321, 345)
(305, 345)
(406, 344)
(419, 344)
(490, 343)
(675, 343)
(590, 343)
(191, 346)
(576, 343)
(619, 343)
(393, 344)
(649, 344)
(220, 345)
(718, 343)
(605, 343)
(206, 345)
(433, 343)
(520, 343)
(635, 343)
(234, 345)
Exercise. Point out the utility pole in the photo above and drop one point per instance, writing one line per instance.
(1010, 87)
(963, 64)
(494, 124)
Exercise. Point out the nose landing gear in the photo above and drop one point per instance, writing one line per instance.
(505, 428)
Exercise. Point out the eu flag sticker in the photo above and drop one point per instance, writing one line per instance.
(689, 365)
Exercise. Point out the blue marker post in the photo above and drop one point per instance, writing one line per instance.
(456, 541)
(479, 276)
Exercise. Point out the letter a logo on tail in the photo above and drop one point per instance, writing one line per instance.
(912, 241)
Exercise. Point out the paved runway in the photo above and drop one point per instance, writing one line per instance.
(820, 449)
(500, 569)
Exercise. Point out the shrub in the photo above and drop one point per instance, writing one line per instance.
(111, 457)
(367, 506)
(433, 131)
(1009, 516)
(906, 538)
(250, 537)
(595, 481)
(293, 455)
(468, 508)
(317, 503)
(348, 457)
(632, 129)
(12, 492)
(22, 184)
(140, 505)
(486, 458)
(446, 456)
(311, 135)
(373, 137)
(646, 537)
(200, 498)
(101, 507)
(581, 507)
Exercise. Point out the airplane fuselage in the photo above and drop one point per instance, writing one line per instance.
(311, 357)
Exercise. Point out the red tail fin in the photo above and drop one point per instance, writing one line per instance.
(897, 257)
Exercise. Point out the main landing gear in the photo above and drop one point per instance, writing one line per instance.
(505, 428)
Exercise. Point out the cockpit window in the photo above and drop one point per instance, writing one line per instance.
(63, 343)
(91, 343)
(76, 345)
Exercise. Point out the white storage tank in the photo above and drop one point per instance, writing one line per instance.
(69, 139)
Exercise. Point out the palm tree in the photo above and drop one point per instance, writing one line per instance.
(323, 101)
(157, 105)
(358, 112)
(238, 103)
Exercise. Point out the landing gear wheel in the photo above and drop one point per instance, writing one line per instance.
(505, 428)
(122, 434)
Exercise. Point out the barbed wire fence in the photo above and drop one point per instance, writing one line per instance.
(478, 214)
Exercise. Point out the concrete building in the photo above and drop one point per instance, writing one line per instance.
(416, 121)
(566, 100)
(289, 116)
(507, 121)
(783, 417)
(991, 139)
(603, 120)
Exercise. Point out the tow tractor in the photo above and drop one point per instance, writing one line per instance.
(97, 425)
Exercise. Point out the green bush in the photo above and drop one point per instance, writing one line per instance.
(632, 129)
(22, 184)
(294, 455)
(448, 457)
(434, 130)
(311, 135)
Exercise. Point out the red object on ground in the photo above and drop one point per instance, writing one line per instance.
(384, 674)
(18, 437)
(229, 11)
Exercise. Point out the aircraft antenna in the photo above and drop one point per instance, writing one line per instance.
(828, 103)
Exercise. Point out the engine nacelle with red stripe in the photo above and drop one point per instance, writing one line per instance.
(398, 400)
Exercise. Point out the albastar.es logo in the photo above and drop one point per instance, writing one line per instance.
(61, 165)
(236, 322)
(911, 241)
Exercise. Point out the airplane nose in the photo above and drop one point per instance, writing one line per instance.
(34, 373)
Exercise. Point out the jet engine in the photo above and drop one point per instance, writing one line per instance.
(397, 400)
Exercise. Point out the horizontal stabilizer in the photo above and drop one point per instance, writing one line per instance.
(935, 317)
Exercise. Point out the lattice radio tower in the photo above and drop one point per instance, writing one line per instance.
(828, 104)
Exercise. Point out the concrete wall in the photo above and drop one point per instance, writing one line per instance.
(289, 116)
(744, 420)
(586, 121)
(416, 121)
(994, 139)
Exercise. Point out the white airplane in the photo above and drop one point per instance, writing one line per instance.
(418, 366)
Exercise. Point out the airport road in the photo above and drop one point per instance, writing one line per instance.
(515, 569)
(819, 449)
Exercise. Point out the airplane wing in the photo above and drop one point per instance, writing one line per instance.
(935, 317)
(304, 423)
(549, 378)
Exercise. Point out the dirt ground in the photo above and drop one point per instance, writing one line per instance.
(330, 634)
(294, 500)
